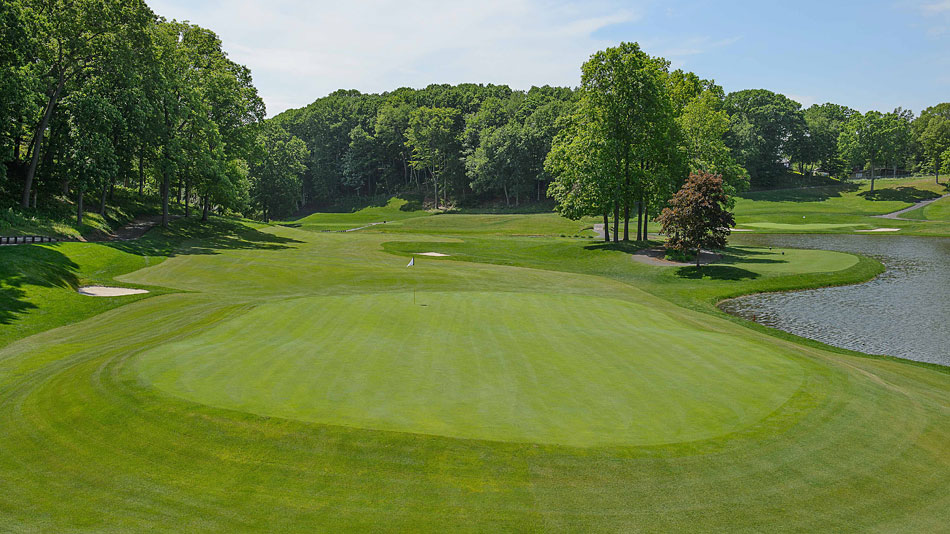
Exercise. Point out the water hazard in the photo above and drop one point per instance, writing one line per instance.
(905, 312)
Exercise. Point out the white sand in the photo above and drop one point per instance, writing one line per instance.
(741, 230)
(103, 291)
(881, 230)
(435, 254)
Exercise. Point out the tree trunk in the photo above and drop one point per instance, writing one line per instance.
(141, 174)
(187, 198)
(616, 222)
(606, 228)
(698, 252)
(204, 210)
(166, 185)
(872, 177)
(640, 231)
(507, 201)
(646, 221)
(38, 141)
(435, 181)
(102, 200)
(79, 207)
(626, 220)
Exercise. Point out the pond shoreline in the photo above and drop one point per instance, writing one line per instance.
(894, 315)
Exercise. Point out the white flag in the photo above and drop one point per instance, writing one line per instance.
(412, 262)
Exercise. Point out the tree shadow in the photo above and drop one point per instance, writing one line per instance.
(733, 256)
(910, 195)
(31, 265)
(193, 236)
(716, 272)
(809, 194)
(629, 247)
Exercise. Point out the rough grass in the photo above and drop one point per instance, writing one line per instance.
(165, 414)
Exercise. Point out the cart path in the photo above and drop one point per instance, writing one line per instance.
(897, 214)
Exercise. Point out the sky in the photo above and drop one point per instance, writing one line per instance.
(866, 55)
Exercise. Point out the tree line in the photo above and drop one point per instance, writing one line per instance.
(457, 144)
(100, 93)
(96, 94)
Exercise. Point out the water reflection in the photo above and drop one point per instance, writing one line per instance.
(905, 312)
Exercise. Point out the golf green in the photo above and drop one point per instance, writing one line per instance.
(529, 367)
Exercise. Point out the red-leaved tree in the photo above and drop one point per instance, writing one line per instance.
(697, 217)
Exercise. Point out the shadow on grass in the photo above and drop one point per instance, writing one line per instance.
(192, 236)
(910, 195)
(733, 256)
(629, 247)
(811, 194)
(34, 265)
(716, 272)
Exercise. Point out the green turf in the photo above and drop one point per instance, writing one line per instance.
(38, 282)
(285, 383)
(846, 207)
(382, 362)
(938, 211)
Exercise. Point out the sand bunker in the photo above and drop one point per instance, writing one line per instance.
(435, 254)
(881, 230)
(103, 291)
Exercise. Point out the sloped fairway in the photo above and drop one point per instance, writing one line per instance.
(499, 366)
(213, 409)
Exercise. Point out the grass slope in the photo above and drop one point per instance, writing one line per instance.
(227, 405)
(845, 207)
(938, 211)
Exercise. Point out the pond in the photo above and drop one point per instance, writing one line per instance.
(905, 312)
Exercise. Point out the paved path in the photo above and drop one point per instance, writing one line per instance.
(897, 214)
(364, 227)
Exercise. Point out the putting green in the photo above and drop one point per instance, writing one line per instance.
(526, 367)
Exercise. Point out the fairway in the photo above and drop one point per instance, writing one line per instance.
(498, 366)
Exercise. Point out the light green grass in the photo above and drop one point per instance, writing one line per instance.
(938, 211)
(839, 208)
(396, 209)
(383, 362)
(242, 400)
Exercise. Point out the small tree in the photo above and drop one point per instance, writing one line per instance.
(697, 216)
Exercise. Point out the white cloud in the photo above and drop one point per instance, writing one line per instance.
(300, 50)
(937, 7)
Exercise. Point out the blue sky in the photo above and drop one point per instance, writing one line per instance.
(867, 55)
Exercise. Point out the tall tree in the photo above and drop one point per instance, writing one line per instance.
(933, 135)
(825, 123)
(625, 92)
(76, 37)
(863, 141)
(275, 187)
(705, 126)
(435, 146)
(763, 128)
